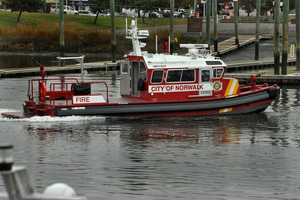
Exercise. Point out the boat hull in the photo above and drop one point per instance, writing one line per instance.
(235, 105)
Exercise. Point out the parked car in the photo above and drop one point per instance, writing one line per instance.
(155, 14)
(70, 10)
(86, 13)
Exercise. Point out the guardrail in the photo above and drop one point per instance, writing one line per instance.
(18, 185)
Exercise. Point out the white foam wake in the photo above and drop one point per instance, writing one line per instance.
(48, 119)
(3, 110)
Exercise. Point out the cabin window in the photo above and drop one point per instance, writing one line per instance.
(142, 67)
(181, 76)
(124, 68)
(174, 75)
(217, 73)
(213, 62)
(135, 65)
(205, 75)
(157, 76)
(188, 75)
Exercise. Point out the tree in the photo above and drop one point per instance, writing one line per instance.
(97, 6)
(267, 5)
(184, 3)
(24, 5)
(292, 4)
(248, 5)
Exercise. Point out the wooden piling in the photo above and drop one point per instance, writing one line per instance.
(236, 21)
(208, 14)
(285, 42)
(298, 35)
(61, 28)
(172, 26)
(215, 11)
(113, 31)
(276, 37)
(258, 9)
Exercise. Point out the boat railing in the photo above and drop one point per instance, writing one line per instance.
(33, 85)
(61, 90)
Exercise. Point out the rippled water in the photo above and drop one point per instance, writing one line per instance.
(236, 157)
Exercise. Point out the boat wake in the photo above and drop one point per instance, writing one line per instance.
(4, 110)
(48, 119)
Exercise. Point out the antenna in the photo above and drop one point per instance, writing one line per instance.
(136, 35)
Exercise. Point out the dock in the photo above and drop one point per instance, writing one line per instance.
(291, 79)
(236, 66)
(229, 45)
(33, 71)
(232, 67)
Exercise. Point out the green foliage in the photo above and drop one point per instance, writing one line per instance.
(24, 5)
(39, 31)
(34, 19)
(99, 5)
(266, 5)
(184, 4)
(292, 4)
(248, 5)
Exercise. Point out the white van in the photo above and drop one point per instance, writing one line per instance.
(70, 10)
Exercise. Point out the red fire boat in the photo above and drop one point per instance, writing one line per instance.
(151, 84)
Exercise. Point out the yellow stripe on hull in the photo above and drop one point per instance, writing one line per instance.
(232, 88)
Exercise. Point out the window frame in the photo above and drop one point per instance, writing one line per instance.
(127, 64)
(218, 68)
(210, 75)
(166, 78)
(162, 77)
(188, 81)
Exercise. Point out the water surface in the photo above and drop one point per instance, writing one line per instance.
(252, 156)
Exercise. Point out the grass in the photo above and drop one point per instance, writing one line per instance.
(40, 31)
(8, 19)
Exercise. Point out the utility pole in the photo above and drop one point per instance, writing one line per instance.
(285, 37)
(298, 34)
(208, 14)
(61, 28)
(236, 21)
(172, 26)
(113, 30)
(215, 11)
(258, 7)
(276, 37)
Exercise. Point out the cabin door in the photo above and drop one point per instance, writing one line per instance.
(125, 79)
(138, 75)
(205, 88)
